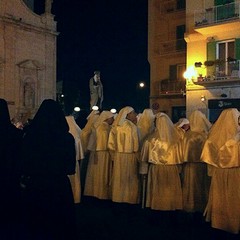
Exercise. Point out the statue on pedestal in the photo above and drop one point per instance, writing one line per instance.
(96, 90)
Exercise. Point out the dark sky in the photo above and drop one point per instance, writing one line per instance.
(105, 35)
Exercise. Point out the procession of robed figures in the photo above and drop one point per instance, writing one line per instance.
(145, 159)
(132, 158)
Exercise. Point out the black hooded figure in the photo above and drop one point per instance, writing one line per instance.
(10, 143)
(48, 156)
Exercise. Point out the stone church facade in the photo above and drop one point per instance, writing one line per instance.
(27, 57)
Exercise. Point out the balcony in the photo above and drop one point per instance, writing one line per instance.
(169, 6)
(212, 18)
(172, 88)
(226, 73)
(174, 46)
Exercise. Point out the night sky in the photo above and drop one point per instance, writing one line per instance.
(105, 35)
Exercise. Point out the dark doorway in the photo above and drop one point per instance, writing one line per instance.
(178, 112)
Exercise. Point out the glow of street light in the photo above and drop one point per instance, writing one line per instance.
(113, 110)
(77, 109)
(190, 73)
(95, 108)
(141, 84)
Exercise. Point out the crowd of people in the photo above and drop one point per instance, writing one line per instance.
(135, 159)
(35, 163)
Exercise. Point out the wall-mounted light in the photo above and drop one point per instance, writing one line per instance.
(211, 39)
(203, 98)
(190, 75)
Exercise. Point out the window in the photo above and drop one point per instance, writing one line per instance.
(181, 68)
(176, 72)
(226, 56)
(178, 112)
(225, 51)
(181, 4)
(173, 72)
(180, 44)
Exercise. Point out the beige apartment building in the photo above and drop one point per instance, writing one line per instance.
(210, 52)
(167, 56)
(27, 56)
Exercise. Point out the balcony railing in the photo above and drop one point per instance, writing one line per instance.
(224, 71)
(217, 14)
(169, 6)
(170, 87)
(172, 46)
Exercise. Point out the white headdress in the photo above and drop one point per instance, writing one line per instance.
(121, 117)
(181, 122)
(103, 116)
(225, 128)
(199, 122)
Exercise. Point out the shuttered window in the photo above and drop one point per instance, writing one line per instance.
(237, 48)
(211, 51)
(211, 56)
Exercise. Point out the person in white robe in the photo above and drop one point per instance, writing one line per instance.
(75, 179)
(160, 160)
(145, 124)
(124, 145)
(85, 136)
(86, 131)
(99, 171)
(221, 151)
(182, 126)
(196, 181)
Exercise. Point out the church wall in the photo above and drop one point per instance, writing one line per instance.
(27, 58)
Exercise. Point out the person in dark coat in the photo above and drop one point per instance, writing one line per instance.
(10, 143)
(48, 157)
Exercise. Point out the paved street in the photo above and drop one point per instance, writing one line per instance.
(106, 220)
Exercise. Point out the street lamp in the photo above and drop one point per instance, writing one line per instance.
(113, 110)
(77, 109)
(142, 100)
(95, 108)
(190, 75)
(141, 84)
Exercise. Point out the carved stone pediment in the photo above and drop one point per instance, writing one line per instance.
(31, 64)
